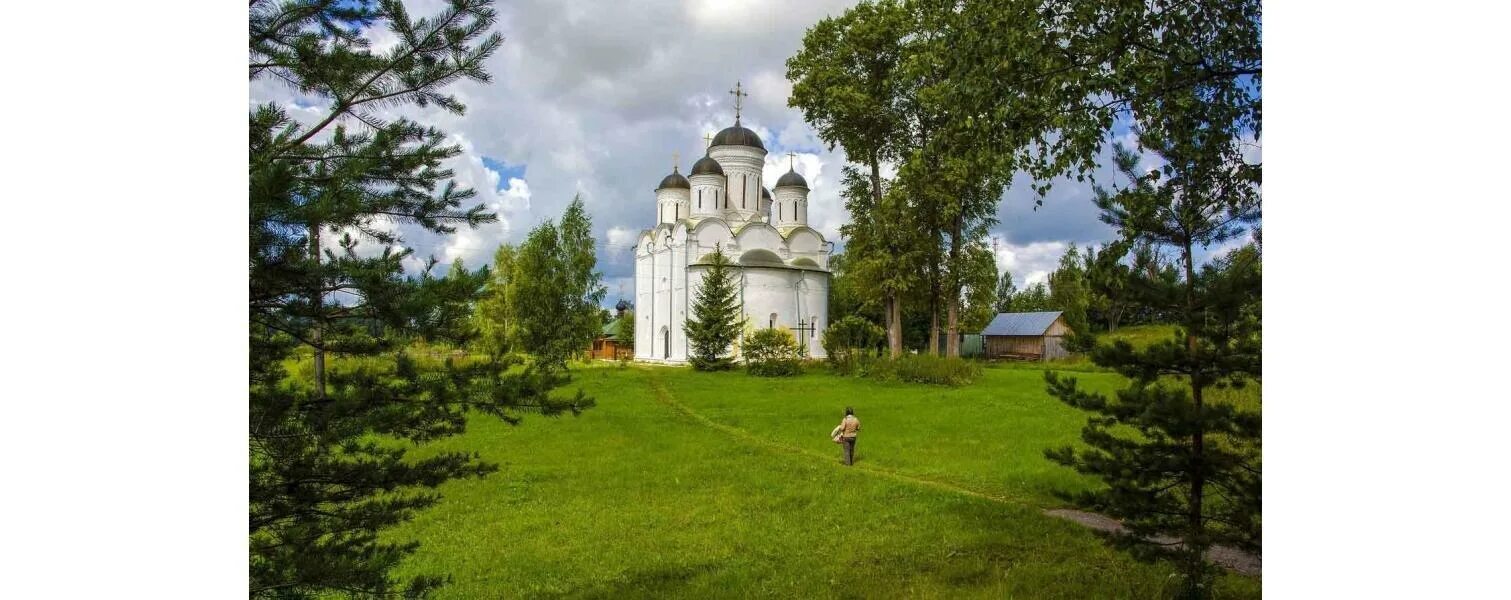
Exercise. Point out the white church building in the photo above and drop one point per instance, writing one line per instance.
(781, 264)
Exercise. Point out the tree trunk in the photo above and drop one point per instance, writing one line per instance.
(934, 310)
(894, 325)
(317, 301)
(952, 347)
(893, 303)
(934, 327)
(1196, 537)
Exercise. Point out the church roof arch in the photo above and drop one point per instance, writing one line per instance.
(761, 257)
(757, 234)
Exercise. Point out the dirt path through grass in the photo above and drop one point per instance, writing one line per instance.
(1231, 558)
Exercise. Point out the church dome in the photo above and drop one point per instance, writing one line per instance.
(674, 181)
(738, 136)
(765, 194)
(707, 166)
(792, 179)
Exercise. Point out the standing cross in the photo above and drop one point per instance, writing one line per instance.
(708, 140)
(790, 156)
(676, 158)
(738, 95)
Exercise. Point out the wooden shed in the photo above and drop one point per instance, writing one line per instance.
(607, 345)
(1026, 335)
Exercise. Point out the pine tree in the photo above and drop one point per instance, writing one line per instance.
(716, 316)
(328, 461)
(1193, 471)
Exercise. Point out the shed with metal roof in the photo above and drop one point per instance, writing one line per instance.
(1026, 335)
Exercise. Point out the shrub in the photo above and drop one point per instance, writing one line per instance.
(771, 353)
(850, 343)
(923, 368)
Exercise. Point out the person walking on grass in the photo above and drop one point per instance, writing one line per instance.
(844, 434)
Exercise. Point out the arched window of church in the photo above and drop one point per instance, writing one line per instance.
(744, 189)
(700, 198)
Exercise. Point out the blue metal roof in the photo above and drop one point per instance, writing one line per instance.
(1024, 323)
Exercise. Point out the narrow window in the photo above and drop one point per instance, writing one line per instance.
(744, 189)
(700, 198)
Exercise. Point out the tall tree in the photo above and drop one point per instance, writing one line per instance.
(1193, 472)
(1005, 291)
(539, 294)
(325, 473)
(495, 318)
(715, 322)
(626, 333)
(1064, 71)
(884, 251)
(845, 80)
(1067, 290)
(1033, 298)
(979, 275)
(585, 289)
(1108, 279)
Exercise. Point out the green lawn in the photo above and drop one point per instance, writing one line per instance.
(684, 484)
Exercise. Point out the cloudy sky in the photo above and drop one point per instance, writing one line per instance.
(595, 98)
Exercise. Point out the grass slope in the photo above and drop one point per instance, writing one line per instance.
(640, 498)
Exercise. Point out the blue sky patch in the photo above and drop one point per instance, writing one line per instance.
(505, 171)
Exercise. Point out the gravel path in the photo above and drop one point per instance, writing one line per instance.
(1232, 558)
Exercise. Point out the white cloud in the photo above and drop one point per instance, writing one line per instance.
(594, 98)
(1029, 263)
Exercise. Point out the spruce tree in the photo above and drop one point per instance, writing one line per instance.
(715, 322)
(1192, 470)
(328, 462)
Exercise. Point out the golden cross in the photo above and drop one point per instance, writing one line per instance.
(708, 140)
(738, 95)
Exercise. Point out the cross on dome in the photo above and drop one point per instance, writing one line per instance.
(790, 156)
(739, 95)
(708, 140)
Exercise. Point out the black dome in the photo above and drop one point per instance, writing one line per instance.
(622, 305)
(765, 194)
(738, 136)
(707, 166)
(791, 178)
(675, 181)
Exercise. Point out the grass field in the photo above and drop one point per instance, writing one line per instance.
(684, 484)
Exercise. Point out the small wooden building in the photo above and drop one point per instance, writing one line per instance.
(1027, 335)
(607, 345)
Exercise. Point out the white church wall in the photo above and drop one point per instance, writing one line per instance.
(644, 303)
